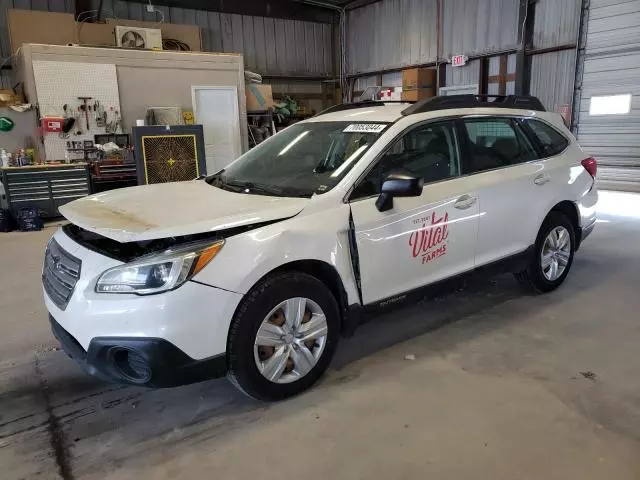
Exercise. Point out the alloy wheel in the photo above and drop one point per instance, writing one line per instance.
(556, 253)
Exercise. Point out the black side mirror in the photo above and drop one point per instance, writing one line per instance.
(398, 185)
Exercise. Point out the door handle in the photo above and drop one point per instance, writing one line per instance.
(541, 179)
(464, 202)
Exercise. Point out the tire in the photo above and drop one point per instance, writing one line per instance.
(535, 276)
(256, 308)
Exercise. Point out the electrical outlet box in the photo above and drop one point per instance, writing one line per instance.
(151, 8)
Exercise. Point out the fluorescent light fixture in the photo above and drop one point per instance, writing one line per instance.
(610, 105)
(293, 142)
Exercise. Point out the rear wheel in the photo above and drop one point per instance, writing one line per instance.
(283, 336)
(553, 256)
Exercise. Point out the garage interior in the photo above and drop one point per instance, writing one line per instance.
(482, 381)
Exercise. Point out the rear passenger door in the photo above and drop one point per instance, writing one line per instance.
(503, 167)
(552, 147)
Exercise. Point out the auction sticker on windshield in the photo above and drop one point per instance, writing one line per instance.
(365, 128)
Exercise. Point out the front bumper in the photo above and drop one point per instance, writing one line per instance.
(172, 338)
(148, 362)
(195, 318)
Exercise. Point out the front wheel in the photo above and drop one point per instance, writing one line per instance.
(283, 336)
(553, 255)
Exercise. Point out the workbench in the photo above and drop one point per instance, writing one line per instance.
(45, 187)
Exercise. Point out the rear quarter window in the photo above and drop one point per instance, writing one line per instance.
(496, 143)
(548, 138)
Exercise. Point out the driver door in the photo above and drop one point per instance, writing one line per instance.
(421, 239)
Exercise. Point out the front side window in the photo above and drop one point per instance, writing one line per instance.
(496, 143)
(550, 140)
(303, 160)
(429, 151)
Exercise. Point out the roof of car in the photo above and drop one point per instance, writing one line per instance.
(384, 112)
(455, 105)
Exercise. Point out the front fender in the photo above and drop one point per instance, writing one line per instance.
(246, 258)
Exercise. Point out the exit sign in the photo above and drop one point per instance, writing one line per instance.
(458, 60)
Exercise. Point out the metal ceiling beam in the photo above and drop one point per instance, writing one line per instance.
(358, 3)
(317, 3)
(289, 9)
(526, 20)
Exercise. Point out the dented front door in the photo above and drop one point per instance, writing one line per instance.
(419, 241)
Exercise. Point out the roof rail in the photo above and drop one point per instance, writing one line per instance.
(365, 103)
(525, 102)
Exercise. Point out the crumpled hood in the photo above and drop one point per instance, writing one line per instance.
(174, 209)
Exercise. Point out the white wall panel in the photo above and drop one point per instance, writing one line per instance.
(362, 83)
(392, 79)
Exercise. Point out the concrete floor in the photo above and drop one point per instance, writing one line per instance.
(503, 386)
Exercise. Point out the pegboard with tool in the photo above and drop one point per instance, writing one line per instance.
(85, 95)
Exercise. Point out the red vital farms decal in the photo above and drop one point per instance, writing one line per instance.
(430, 241)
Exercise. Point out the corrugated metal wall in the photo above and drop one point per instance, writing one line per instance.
(480, 26)
(611, 67)
(556, 23)
(552, 78)
(362, 83)
(462, 76)
(391, 34)
(269, 45)
(553, 74)
(396, 33)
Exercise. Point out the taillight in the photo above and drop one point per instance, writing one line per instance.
(590, 165)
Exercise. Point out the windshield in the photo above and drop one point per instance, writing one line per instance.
(304, 159)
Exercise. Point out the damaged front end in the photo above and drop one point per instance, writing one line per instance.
(130, 251)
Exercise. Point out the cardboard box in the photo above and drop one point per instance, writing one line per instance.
(33, 26)
(9, 97)
(417, 94)
(96, 34)
(259, 97)
(413, 78)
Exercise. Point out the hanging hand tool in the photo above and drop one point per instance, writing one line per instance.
(85, 108)
(68, 122)
(77, 116)
(101, 119)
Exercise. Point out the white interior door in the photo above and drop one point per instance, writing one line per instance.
(216, 109)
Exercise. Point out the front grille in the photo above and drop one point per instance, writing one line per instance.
(60, 274)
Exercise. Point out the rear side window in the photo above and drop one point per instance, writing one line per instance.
(496, 143)
(551, 141)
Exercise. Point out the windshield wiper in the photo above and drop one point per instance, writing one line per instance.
(262, 189)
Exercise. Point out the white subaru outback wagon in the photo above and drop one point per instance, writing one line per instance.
(255, 272)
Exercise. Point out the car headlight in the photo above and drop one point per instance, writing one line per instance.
(157, 273)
